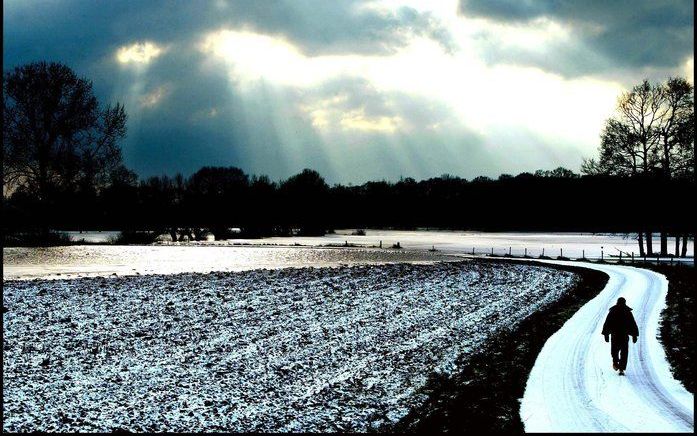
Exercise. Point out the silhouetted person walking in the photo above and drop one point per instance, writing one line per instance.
(620, 325)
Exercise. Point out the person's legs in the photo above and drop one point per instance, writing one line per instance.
(614, 351)
(624, 350)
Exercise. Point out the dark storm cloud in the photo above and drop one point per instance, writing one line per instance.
(205, 117)
(608, 34)
(79, 29)
(202, 119)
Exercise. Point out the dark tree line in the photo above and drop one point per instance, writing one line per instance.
(215, 199)
(62, 169)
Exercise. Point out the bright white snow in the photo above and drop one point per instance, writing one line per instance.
(309, 349)
(75, 261)
(104, 260)
(573, 388)
(447, 241)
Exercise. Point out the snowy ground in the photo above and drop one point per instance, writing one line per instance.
(244, 254)
(105, 260)
(572, 387)
(294, 349)
(92, 236)
(453, 241)
(572, 244)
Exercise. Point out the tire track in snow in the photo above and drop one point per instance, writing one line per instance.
(572, 386)
(600, 419)
(659, 396)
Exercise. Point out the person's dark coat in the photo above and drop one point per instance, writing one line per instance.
(620, 322)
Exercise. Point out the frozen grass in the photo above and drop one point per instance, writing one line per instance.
(267, 350)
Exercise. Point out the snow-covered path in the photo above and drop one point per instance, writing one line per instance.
(572, 386)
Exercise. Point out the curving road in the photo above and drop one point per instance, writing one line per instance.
(572, 386)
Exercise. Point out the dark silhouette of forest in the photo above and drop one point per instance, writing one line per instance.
(62, 169)
(215, 199)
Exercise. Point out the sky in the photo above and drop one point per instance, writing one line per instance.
(358, 90)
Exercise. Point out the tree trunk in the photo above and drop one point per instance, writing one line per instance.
(664, 244)
(649, 244)
(684, 246)
(641, 244)
(677, 245)
(43, 196)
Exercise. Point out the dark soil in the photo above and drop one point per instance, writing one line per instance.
(485, 395)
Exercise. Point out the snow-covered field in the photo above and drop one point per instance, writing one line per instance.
(311, 349)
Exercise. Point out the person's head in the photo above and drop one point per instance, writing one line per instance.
(621, 301)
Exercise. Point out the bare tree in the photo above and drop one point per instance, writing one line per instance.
(55, 134)
(676, 131)
(676, 124)
(620, 153)
(641, 110)
(650, 134)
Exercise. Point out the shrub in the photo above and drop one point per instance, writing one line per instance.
(128, 237)
(35, 238)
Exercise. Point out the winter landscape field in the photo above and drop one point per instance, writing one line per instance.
(311, 349)
(461, 216)
(104, 260)
(168, 257)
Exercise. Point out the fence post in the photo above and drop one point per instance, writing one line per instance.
(509, 251)
(620, 257)
(584, 254)
(472, 251)
(543, 251)
(492, 251)
(526, 252)
(561, 252)
(632, 257)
